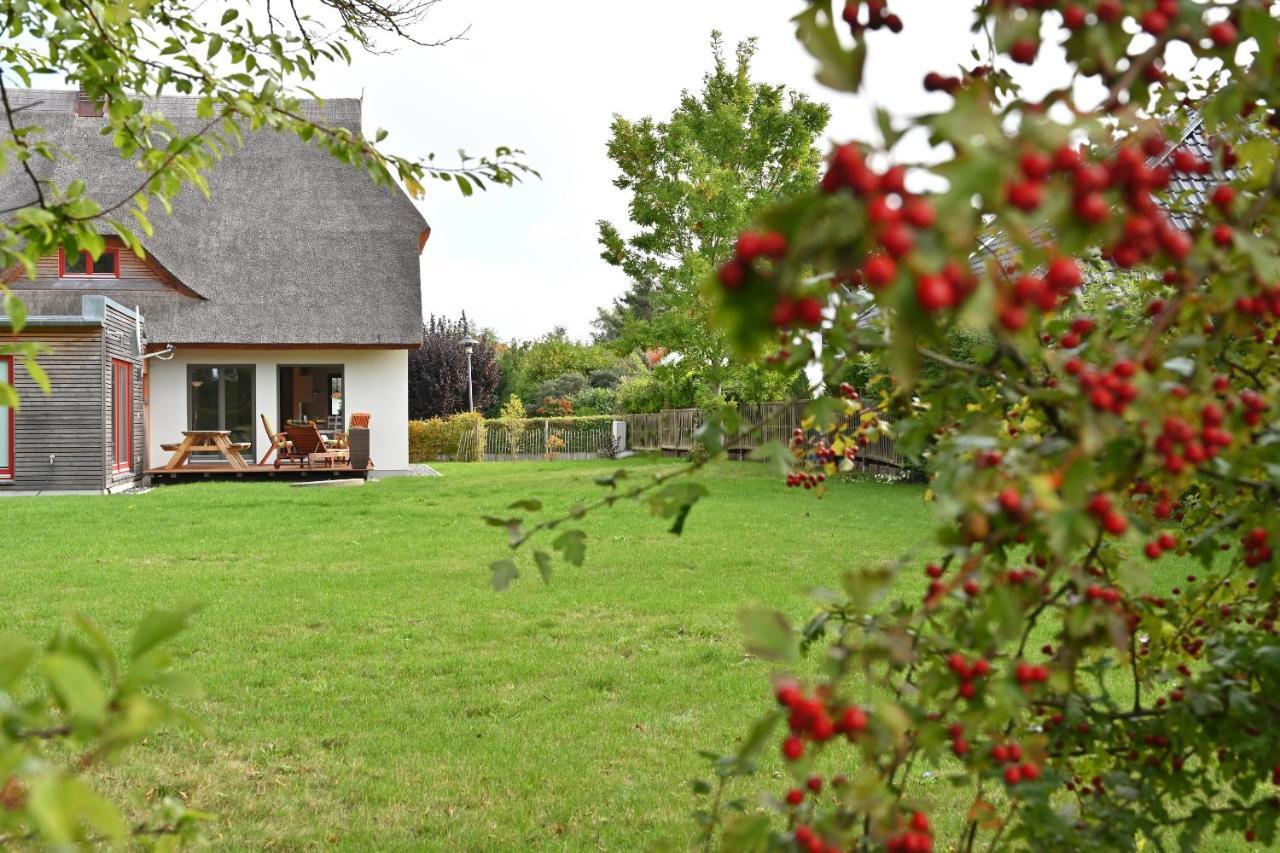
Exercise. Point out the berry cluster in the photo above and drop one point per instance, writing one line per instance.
(1256, 549)
(918, 838)
(1017, 771)
(811, 719)
(968, 672)
(1108, 391)
(1112, 520)
(1031, 291)
(1030, 674)
(1179, 444)
(877, 16)
(1166, 541)
(751, 247)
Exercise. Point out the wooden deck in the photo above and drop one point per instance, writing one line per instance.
(214, 469)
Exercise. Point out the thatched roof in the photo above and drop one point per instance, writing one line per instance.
(294, 247)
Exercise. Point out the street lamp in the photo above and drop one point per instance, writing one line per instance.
(470, 344)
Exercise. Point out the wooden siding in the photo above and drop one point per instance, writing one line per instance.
(136, 274)
(66, 422)
(119, 342)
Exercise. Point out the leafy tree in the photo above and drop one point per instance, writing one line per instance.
(525, 365)
(724, 155)
(1038, 651)
(438, 370)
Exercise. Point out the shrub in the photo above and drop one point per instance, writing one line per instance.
(607, 377)
(563, 386)
(595, 401)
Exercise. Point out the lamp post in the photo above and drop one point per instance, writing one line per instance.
(470, 344)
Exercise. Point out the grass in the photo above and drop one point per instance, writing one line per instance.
(366, 688)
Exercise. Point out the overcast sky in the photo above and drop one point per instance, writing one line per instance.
(547, 77)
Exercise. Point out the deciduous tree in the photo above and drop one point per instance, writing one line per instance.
(696, 180)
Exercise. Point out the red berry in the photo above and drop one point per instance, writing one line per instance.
(1224, 34)
(897, 239)
(792, 748)
(880, 270)
(795, 797)
(1036, 165)
(1012, 775)
(1115, 523)
(1091, 208)
(1026, 195)
(920, 213)
(773, 244)
(1109, 11)
(1223, 196)
(1222, 235)
(1074, 17)
(1024, 50)
(732, 275)
(1064, 275)
(808, 312)
(1010, 500)
(1155, 22)
(934, 293)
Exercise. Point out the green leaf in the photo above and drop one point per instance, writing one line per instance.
(78, 688)
(572, 544)
(769, 635)
(528, 504)
(158, 626)
(36, 372)
(16, 654)
(543, 559)
(16, 310)
(503, 573)
(229, 16)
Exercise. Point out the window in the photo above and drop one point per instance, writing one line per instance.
(222, 397)
(122, 415)
(83, 266)
(6, 422)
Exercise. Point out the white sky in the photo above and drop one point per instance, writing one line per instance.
(547, 77)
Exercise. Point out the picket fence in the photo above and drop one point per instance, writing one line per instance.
(547, 438)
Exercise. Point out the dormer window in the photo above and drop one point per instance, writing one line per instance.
(83, 265)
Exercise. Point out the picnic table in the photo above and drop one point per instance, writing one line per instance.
(206, 441)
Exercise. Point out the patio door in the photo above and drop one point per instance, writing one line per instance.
(313, 392)
(221, 397)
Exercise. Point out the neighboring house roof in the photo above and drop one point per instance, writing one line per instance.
(293, 247)
(1186, 196)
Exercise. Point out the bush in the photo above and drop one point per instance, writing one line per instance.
(595, 401)
(606, 377)
(640, 394)
(563, 386)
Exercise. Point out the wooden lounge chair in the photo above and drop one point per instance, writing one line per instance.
(359, 419)
(275, 440)
(306, 447)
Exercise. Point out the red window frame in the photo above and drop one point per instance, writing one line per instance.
(113, 251)
(121, 416)
(7, 472)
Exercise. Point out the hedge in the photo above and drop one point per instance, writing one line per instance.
(459, 437)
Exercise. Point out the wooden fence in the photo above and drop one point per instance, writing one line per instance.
(673, 431)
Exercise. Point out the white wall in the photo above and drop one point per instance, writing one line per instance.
(376, 381)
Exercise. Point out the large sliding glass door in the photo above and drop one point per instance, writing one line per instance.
(313, 392)
(221, 397)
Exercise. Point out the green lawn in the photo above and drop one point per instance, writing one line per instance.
(367, 688)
